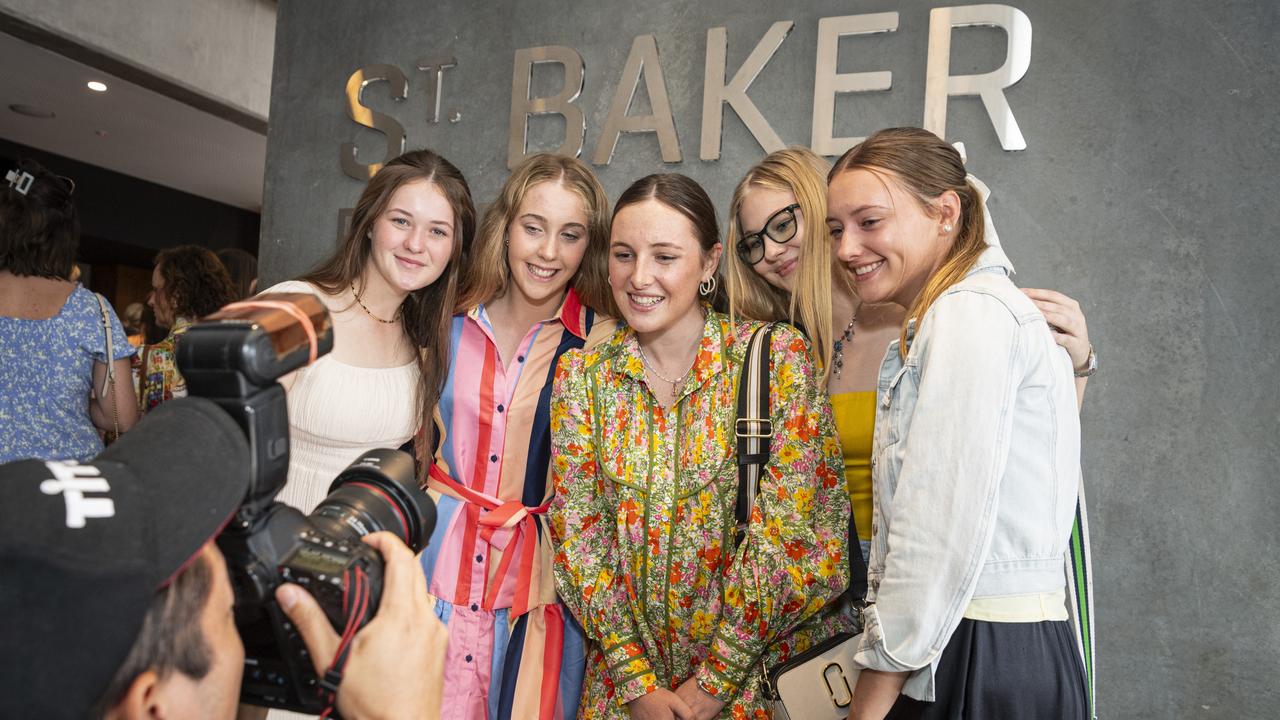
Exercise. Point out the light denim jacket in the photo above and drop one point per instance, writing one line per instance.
(976, 464)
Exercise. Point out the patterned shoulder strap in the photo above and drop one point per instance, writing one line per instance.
(1079, 567)
(752, 426)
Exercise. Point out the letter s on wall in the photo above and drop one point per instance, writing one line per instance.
(385, 124)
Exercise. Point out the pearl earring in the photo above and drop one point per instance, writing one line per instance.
(946, 228)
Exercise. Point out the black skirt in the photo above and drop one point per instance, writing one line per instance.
(993, 671)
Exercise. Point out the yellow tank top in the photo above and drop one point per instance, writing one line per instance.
(855, 414)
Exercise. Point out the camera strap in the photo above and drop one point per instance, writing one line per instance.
(293, 310)
(355, 606)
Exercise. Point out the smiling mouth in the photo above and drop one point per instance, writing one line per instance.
(864, 270)
(541, 273)
(645, 301)
(410, 263)
(787, 267)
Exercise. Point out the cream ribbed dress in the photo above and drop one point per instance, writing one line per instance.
(338, 411)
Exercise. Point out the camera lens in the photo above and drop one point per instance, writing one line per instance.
(378, 492)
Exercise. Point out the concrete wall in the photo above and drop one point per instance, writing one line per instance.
(1145, 191)
(219, 50)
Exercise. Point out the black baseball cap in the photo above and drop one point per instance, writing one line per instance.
(85, 547)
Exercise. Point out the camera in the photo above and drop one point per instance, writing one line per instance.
(235, 358)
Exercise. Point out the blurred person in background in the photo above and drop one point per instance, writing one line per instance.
(242, 267)
(188, 282)
(59, 342)
(133, 324)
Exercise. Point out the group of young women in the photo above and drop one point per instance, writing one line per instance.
(568, 377)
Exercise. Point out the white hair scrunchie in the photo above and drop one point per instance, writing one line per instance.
(984, 192)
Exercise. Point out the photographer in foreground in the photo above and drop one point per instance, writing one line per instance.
(116, 603)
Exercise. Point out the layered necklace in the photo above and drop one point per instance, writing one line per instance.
(837, 355)
(676, 382)
(368, 312)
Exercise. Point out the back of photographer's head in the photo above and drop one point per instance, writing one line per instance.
(110, 586)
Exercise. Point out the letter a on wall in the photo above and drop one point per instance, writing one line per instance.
(643, 59)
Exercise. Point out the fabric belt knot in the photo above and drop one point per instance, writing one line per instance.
(509, 526)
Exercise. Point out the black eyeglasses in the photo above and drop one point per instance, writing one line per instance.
(780, 228)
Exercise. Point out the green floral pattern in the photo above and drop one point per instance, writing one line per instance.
(644, 519)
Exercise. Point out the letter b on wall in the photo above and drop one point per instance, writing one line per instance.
(522, 106)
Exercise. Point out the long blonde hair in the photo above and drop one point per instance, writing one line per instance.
(487, 274)
(922, 164)
(800, 172)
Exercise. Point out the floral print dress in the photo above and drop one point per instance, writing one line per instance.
(155, 370)
(644, 521)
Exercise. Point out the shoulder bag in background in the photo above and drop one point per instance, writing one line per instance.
(109, 384)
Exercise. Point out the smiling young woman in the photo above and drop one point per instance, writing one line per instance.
(977, 414)
(783, 268)
(389, 287)
(534, 282)
(680, 619)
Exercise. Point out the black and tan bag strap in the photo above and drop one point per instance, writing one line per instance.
(752, 426)
(754, 431)
(1079, 568)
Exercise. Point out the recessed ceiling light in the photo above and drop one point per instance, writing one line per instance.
(32, 111)
(96, 86)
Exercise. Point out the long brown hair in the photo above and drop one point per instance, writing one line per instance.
(800, 172)
(426, 313)
(925, 166)
(487, 272)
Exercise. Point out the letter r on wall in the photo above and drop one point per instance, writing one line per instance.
(940, 84)
(522, 106)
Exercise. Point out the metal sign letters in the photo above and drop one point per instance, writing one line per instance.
(643, 64)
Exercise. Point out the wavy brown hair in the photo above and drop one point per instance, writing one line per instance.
(426, 313)
(487, 272)
(921, 163)
(196, 282)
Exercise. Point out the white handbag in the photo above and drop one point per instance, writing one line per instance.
(816, 684)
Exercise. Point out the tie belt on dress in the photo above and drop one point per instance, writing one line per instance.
(510, 520)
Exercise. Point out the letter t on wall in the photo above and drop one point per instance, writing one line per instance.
(940, 84)
(827, 82)
(522, 106)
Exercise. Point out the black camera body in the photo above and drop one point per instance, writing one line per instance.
(234, 358)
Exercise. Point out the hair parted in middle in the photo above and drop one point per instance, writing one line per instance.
(802, 173)
(684, 195)
(925, 166)
(487, 273)
(427, 312)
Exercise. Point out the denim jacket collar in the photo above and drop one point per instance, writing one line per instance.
(993, 257)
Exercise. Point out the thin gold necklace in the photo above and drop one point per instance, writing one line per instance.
(392, 321)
